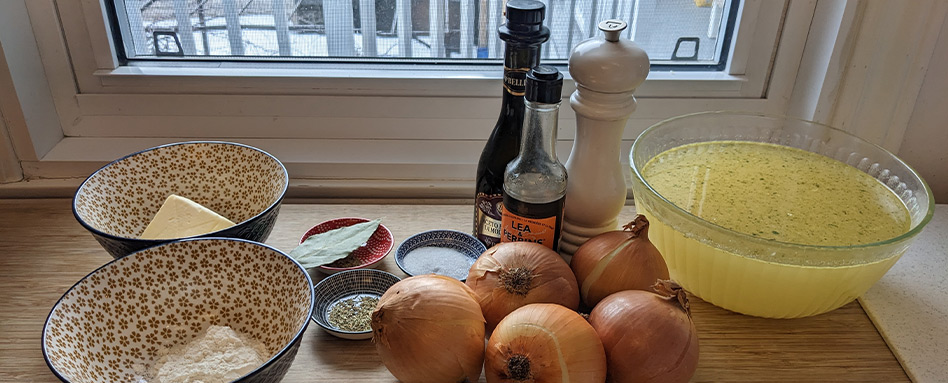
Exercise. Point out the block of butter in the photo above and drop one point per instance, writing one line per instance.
(181, 217)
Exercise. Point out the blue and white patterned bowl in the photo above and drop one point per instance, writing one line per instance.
(112, 325)
(345, 285)
(454, 243)
(240, 182)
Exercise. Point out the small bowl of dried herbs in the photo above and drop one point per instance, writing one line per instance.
(345, 301)
(344, 244)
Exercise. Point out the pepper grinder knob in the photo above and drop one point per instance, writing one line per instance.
(607, 70)
(612, 29)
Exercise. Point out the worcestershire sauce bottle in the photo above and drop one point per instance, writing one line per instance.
(522, 33)
(535, 181)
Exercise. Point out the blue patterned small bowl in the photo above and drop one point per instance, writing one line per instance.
(239, 182)
(348, 285)
(445, 252)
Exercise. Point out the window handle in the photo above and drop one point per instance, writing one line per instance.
(694, 57)
(158, 52)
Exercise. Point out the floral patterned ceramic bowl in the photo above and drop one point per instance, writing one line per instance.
(367, 255)
(113, 324)
(239, 182)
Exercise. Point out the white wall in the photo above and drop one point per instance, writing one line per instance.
(10, 170)
(925, 145)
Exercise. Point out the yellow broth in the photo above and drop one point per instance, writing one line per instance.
(778, 192)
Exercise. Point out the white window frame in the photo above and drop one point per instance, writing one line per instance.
(746, 74)
(369, 133)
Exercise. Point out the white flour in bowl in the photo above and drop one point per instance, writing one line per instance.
(219, 354)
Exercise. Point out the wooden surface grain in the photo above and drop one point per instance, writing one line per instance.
(44, 251)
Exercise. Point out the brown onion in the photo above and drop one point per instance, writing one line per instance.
(511, 275)
(544, 342)
(618, 260)
(648, 336)
(429, 328)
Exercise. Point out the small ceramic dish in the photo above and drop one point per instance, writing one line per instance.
(351, 286)
(446, 252)
(368, 255)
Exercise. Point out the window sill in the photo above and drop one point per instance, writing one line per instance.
(299, 191)
(402, 80)
(318, 169)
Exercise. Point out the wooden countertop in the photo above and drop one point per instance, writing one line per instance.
(44, 251)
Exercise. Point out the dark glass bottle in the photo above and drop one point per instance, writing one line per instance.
(523, 33)
(535, 181)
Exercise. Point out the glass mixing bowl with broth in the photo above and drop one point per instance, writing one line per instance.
(774, 217)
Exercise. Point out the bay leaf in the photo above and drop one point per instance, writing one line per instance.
(328, 247)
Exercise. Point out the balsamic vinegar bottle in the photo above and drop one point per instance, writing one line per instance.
(535, 181)
(523, 33)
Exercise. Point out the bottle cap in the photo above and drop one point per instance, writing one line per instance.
(609, 63)
(525, 11)
(524, 22)
(544, 84)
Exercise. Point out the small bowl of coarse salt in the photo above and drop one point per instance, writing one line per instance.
(445, 252)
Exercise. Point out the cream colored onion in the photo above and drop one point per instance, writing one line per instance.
(544, 342)
(618, 260)
(429, 328)
(511, 275)
(649, 337)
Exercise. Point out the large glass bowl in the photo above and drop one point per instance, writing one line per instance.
(758, 276)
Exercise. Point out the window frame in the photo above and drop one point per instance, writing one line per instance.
(745, 74)
(104, 87)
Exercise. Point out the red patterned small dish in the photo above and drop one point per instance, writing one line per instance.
(369, 254)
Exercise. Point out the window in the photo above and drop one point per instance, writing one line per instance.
(349, 126)
(676, 33)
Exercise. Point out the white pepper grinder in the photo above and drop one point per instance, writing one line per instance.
(606, 70)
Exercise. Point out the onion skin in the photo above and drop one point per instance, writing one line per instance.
(648, 337)
(558, 344)
(618, 260)
(550, 279)
(429, 328)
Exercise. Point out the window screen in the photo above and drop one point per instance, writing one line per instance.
(676, 33)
